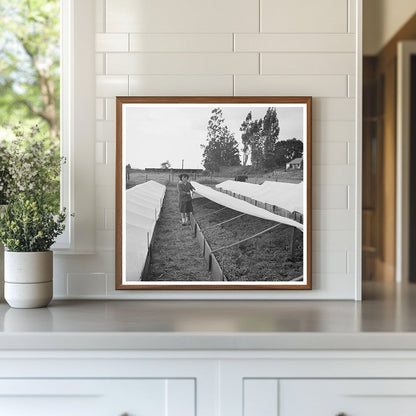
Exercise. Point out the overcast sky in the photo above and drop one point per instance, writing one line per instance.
(156, 133)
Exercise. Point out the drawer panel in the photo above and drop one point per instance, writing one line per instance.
(350, 397)
(114, 397)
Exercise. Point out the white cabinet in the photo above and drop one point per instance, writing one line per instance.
(97, 397)
(207, 383)
(330, 397)
(349, 397)
(319, 383)
(112, 383)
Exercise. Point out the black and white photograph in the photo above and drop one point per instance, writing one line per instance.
(213, 193)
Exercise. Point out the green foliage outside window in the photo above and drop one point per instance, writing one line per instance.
(30, 82)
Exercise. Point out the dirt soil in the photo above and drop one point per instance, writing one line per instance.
(264, 258)
(176, 255)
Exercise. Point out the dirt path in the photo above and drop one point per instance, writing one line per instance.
(176, 255)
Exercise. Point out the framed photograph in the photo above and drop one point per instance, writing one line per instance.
(213, 193)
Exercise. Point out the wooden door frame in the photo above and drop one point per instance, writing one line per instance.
(404, 50)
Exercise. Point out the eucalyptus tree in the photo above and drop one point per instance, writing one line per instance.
(222, 147)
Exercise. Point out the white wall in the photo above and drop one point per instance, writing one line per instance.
(232, 47)
(381, 20)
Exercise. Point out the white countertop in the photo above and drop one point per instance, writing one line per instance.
(384, 320)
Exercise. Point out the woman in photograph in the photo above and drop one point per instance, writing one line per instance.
(185, 198)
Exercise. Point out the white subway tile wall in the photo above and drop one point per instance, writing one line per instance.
(330, 153)
(352, 16)
(104, 175)
(351, 86)
(334, 109)
(276, 42)
(181, 42)
(100, 109)
(330, 197)
(233, 47)
(314, 85)
(332, 219)
(111, 86)
(333, 175)
(316, 63)
(182, 16)
(181, 85)
(112, 42)
(339, 130)
(86, 284)
(110, 109)
(99, 63)
(300, 16)
(182, 63)
(100, 152)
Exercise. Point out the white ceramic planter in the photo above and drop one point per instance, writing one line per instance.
(28, 279)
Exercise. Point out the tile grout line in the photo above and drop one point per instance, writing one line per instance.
(260, 64)
(348, 153)
(260, 19)
(233, 84)
(348, 197)
(104, 16)
(348, 16)
(348, 86)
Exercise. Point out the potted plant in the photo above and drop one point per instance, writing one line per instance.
(28, 228)
(32, 220)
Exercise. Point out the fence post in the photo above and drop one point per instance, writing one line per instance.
(292, 243)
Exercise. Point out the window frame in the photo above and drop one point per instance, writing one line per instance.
(77, 102)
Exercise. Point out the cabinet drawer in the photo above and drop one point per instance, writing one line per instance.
(113, 397)
(349, 397)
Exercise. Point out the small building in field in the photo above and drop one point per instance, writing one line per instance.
(295, 164)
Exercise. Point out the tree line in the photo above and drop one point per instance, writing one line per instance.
(260, 140)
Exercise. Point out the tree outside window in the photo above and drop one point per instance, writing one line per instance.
(30, 68)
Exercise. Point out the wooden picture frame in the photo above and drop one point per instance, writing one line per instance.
(249, 160)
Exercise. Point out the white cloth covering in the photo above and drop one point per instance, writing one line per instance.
(143, 205)
(281, 194)
(242, 206)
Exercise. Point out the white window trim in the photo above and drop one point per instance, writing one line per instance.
(78, 126)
